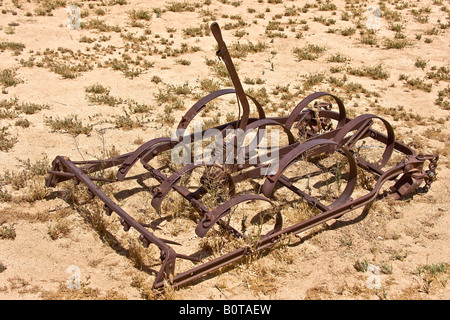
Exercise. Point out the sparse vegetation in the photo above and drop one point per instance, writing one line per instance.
(420, 63)
(125, 122)
(45, 7)
(240, 50)
(7, 232)
(97, 93)
(8, 78)
(439, 74)
(416, 83)
(140, 14)
(431, 274)
(338, 57)
(15, 47)
(443, 99)
(310, 52)
(312, 80)
(377, 72)
(59, 230)
(348, 31)
(182, 6)
(99, 25)
(69, 124)
(396, 43)
(6, 140)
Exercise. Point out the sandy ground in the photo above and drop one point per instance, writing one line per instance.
(45, 241)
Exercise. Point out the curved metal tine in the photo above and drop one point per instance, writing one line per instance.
(139, 152)
(358, 135)
(356, 123)
(201, 104)
(188, 195)
(298, 109)
(286, 161)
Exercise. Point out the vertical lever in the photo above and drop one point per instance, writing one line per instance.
(226, 58)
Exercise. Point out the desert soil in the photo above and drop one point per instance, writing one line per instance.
(132, 69)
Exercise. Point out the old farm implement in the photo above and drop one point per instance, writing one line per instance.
(321, 158)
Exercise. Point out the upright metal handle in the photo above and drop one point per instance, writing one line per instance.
(215, 29)
(226, 58)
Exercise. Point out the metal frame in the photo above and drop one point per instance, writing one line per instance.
(409, 174)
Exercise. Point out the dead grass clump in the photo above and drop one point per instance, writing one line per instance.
(8, 78)
(69, 124)
(93, 215)
(377, 72)
(83, 293)
(185, 6)
(310, 52)
(73, 194)
(297, 212)
(35, 191)
(439, 74)
(140, 14)
(416, 83)
(432, 276)
(140, 255)
(443, 99)
(141, 282)
(396, 43)
(6, 141)
(241, 50)
(31, 179)
(262, 277)
(45, 7)
(99, 25)
(218, 243)
(15, 47)
(97, 93)
(59, 230)
(436, 134)
(8, 232)
(318, 292)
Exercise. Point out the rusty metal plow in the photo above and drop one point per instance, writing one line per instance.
(321, 134)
